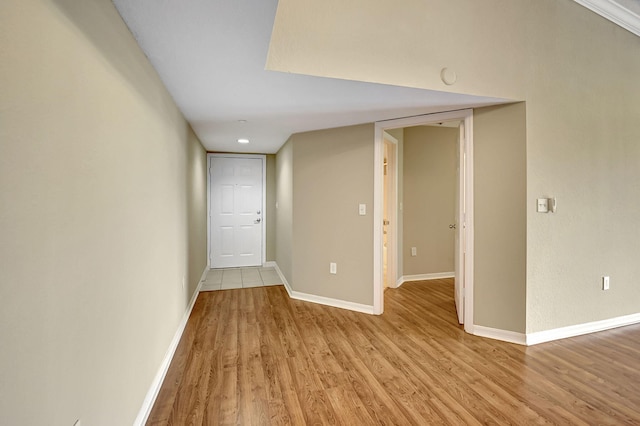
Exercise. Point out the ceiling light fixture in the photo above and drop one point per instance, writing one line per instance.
(243, 140)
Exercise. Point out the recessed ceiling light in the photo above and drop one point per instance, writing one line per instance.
(242, 121)
(243, 140)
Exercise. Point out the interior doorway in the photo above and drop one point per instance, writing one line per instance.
(463, 222)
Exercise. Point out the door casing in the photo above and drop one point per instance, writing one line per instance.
(392, 228)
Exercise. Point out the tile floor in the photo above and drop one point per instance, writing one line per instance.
(227, 279)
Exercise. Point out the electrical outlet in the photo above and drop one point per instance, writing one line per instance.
(333, 268)
(605, 283)
(414, 251)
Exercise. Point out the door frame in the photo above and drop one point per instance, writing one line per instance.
(392, 243)
(262, 157)
(466, 236)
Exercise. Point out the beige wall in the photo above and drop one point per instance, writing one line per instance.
(580, 119)
(271, 207)
(429, 176)
(334, 38)
(500, 182)
(284, 211)
(196, 210)
(102, 214)
(332, 172)
(583, 148)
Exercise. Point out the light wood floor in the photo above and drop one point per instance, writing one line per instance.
(255, 357)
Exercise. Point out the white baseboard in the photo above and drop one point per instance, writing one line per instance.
(531, 339)
(425, 277)
(498, 334)
(336, 303)
(282, 277)
(580, 329)
(154, 389)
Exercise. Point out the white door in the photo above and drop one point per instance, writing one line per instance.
(235, 209)
(459, 226)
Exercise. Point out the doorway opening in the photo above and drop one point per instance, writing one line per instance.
(387, 247)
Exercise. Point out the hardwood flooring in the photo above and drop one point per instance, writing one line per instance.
(255, 357)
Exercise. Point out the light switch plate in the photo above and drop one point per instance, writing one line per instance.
(362, 209)
(543, 205)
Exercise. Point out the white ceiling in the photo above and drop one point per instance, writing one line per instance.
(211, 54)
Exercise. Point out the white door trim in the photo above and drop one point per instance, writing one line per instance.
(262, 157)
(378, 289)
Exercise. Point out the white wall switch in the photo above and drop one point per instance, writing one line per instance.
(605, 283)
(543, 205)
(362, 209)
(414, 251)
(333, 268)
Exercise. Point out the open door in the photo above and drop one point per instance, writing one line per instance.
(460, 224)
(389, 223)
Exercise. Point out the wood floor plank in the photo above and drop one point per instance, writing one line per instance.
(256, 357)
(344, 398)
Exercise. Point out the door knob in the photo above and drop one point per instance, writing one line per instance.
(258, 212)
(452, 226)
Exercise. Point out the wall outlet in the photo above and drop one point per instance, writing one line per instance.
(605, 283)
(414, 251)
(333, 268)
